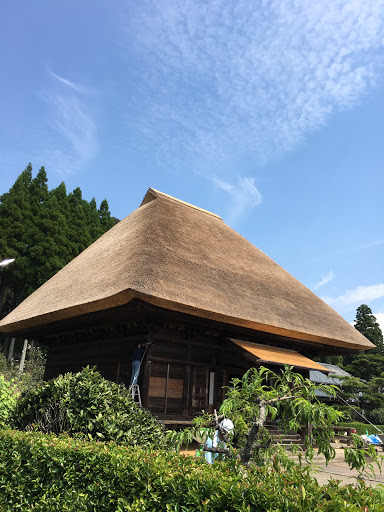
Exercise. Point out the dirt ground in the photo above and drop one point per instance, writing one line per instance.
(336, 470)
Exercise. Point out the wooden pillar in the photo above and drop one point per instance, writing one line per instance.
(187, 399)
(22, 360)
(146, 376)
(211, 391)
(5, 346)
(187, 388)
(145, 381)
(11, 349)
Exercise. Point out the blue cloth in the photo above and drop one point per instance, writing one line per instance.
(213, 443)
(135, 372)
(209, 456)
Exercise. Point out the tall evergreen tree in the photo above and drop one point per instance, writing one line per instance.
(43, 230)
(66, 246)
(106, 220)
(367, 366)
(92, 212)
(365, 389)
(15, 222)
(367, 324)
(79, 228)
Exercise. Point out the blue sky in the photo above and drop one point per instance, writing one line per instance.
(267, 113)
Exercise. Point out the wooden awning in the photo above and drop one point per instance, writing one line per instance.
(279, 356)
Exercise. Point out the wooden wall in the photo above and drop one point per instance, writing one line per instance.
(176, 376)
(185, 367)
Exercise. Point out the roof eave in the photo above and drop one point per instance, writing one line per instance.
(127, 295)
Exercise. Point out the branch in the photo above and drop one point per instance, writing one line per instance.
(216, 421)
(280, 399)
(223, 433)
(211, 449)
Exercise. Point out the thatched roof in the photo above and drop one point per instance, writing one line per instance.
(182, 258)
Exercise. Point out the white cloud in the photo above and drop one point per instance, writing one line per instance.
(360, 295)
(71, 120)
(380, 319)
(243, 196)
(226, 77)
(324, 280)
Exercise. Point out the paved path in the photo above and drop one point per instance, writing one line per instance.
(338, 470)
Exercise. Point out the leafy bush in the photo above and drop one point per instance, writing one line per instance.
(252, 401)
(42, 472)
(7, 400)
(87, 403)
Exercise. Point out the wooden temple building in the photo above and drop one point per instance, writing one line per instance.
(211, 303)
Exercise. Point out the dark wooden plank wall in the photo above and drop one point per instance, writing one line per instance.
(176, 374)
(113, 357)
(188, 366)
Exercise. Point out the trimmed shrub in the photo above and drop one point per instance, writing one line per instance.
(87, 404)
(45, 473)
(7, 400)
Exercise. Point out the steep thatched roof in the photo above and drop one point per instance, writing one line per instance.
(182, 258)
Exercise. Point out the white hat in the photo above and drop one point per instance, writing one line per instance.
(226, 424)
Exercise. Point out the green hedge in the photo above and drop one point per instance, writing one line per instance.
(361, 428)
(86, 403)
(7, 400)
(44, 473)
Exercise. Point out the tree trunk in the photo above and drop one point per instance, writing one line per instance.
(253, 433)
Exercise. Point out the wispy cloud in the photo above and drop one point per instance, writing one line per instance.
(324, 280)
(75, 142)
(66, 82)
(360, 295)
(375, 243)
(243, 194)
(243, 77)
(75, 125)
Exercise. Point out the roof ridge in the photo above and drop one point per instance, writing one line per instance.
(152, 194)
